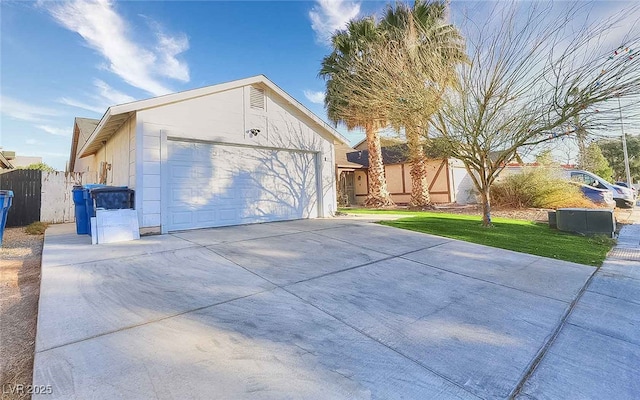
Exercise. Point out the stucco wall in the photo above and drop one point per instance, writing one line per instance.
(226, 117)
(399, 183)
(119, 152)
(395, 178)
(57, 201)
(85, 164)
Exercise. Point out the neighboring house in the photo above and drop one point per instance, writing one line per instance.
(19, 161)
(447, 178)
(4, 163)
(345, 176)
(235, 153)
(384, 142)
(82, 130)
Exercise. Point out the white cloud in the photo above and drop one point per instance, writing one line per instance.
(82, 105)
(34, 142)
(111, 95)
(314, 97)
(327, 16)
(54, 131)
(106, 31)
(105, 97)
(17, 109)
(167, 49)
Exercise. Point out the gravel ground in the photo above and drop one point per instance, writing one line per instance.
(20, 258)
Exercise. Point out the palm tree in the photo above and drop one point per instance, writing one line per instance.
(349, 99)
(423, 51)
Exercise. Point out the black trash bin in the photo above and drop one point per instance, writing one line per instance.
(113, 197)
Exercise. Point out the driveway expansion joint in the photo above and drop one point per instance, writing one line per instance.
(127, 256)
(552, 338)
(447, 240)
(411, 359)
(627, 300)
(485, 280)
(154, 320)
(599, 333)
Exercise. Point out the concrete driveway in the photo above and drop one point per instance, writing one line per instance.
(317, 309)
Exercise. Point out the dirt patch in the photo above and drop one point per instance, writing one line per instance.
(20, 262)
(623, 216)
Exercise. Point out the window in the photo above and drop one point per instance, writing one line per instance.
(583, 178)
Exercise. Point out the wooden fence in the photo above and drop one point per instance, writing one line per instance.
(26, 186)
(42, 196)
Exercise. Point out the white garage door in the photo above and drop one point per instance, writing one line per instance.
(217, 185)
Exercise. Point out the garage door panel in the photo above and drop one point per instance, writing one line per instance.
(227, 185)
(205, 216)
(181, 151)
(181, 172)
(228, 214)
(181, 217)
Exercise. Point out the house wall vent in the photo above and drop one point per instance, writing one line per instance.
(256, 98)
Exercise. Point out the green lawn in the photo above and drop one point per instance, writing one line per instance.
(511, 234)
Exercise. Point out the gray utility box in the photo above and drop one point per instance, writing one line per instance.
(588, 221)
(553, 224)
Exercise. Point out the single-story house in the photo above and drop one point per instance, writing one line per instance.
(4, 162)
(11, 160)
(447, 178)
(345, 175)
(82, 130)
(235, 153)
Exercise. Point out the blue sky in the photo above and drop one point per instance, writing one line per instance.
(60, 60)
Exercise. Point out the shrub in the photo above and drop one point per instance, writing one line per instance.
(538, 188)
(36, 228)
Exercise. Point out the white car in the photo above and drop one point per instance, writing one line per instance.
(622, 195)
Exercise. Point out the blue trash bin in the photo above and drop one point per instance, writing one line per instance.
(90, 208)
(82, 224)
(6, 199)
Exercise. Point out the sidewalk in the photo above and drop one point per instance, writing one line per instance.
(597, 352)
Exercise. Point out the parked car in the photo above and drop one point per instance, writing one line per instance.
(598, 196)
(623, 196)
(633, 188)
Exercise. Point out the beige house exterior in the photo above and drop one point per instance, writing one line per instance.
(447, 178)
(234, 153)
(10, 160)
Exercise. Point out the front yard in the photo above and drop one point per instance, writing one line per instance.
(512, 234)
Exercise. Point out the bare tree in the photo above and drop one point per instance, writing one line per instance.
(534, 70)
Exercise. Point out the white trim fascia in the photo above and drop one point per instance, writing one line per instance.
(205, 91)
(103, 121)
(165, 191)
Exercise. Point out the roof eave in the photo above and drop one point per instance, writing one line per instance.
(90, 147)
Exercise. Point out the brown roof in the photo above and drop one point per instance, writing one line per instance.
(82, 130)
(341, 151)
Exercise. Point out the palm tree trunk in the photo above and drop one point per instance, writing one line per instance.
(420, 197)
(378, 194)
